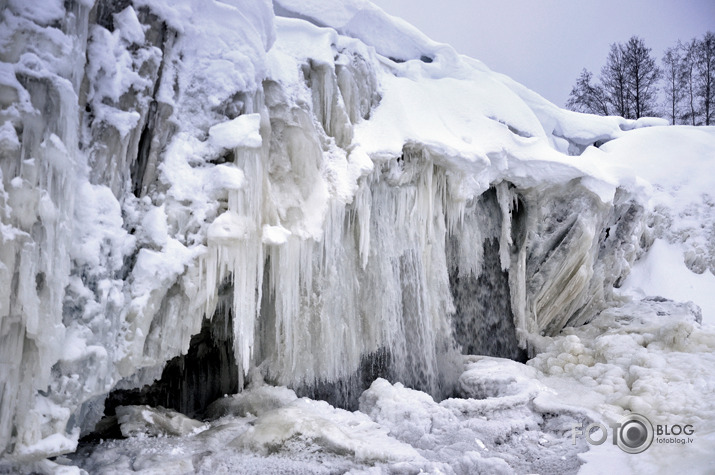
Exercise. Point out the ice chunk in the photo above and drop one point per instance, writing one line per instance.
(153, 422)
(230, 227)
(255, 401)
(129, 27)
(275, 235)
(155, 227)
(239, 132)
(315, 422)
(501, 379)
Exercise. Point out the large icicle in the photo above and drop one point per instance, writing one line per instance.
(235, 249)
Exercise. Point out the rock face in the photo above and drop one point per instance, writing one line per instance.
(360, 209)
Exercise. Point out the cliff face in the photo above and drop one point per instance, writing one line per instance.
(339, 192)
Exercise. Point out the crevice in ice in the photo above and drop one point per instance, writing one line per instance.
(138, 166)
(512, 129)
(156, 130)
(424, 58)
(229, 156)
(328, 104)
(281, 11)
(125, 96)
(237, 105)
(358, 85)
(190, 382)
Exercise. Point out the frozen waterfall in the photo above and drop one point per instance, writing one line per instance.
(198, 200)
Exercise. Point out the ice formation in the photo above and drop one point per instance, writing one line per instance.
(329, 198)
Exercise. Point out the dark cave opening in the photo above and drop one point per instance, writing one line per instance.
(190, 382)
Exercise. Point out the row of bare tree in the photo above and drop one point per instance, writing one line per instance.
(628, 83)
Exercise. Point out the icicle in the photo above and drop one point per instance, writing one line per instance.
(505, 205)
(236, 252)
(363, 207)
(517, 286)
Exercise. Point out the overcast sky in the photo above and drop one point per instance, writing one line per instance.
(544, 44)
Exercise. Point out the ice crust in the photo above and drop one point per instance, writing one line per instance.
(396, 429)
(341, 173)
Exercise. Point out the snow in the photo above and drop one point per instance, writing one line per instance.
(396, 429)
(155, 227)
(343, 176)
(674, 159)
(113, 69)
(100, 225)
(275, 234)
(662, 272)
(130, 29)
(650, 357)
(239, 132)
(47, 13)
(390, 36)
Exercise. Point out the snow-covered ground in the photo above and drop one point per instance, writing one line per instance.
(344, 174)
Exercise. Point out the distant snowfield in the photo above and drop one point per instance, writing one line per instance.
(341, 149)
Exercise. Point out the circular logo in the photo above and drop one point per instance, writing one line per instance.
(635, 434)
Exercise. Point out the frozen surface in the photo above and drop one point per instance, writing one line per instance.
(358, 199)
(508, 425)
(651, 357)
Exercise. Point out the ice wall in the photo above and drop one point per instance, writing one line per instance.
(352, 188)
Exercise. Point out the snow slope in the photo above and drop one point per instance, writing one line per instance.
(357, 201)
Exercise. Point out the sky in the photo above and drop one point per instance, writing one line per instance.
(544, 44)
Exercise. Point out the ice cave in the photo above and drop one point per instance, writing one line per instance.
(244, 236)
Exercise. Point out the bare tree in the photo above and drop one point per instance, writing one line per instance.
(614, 77)
(674, 83)
(642, 76)
(627, 86)
(588, 97)
(689, 75)
(705, 76)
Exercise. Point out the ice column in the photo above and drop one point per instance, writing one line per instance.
(235, 251)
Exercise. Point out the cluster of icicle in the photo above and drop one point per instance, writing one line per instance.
(126, 204)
